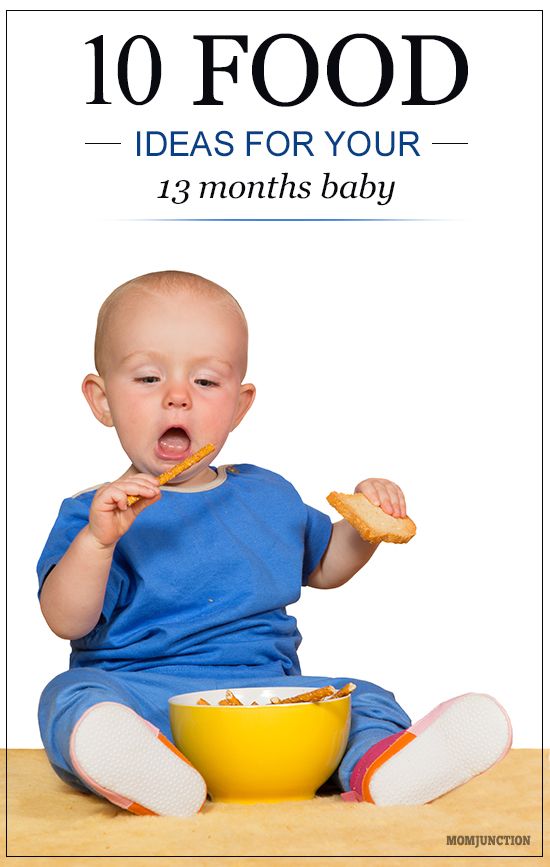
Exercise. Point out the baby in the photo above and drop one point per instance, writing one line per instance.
(187, 589)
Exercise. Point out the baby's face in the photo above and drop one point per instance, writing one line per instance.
(173, 380)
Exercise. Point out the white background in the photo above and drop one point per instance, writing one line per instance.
(408, 350)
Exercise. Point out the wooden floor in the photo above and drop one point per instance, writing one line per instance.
(47, 818)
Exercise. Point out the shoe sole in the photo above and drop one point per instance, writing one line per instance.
(127, 760)
(458, 740)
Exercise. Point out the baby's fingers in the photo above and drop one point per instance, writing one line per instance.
(386, 494)
(368, 488)
(116, 494)
(144, 477)
(402, 503)
(141, 491)
(143, 502)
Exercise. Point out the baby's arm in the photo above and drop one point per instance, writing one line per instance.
(72, 595)
(346, 552)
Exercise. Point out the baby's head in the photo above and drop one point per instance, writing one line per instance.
(171, 355)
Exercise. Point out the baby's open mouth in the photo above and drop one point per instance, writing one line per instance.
(173, 444)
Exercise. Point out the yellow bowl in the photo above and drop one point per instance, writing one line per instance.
(264, 753)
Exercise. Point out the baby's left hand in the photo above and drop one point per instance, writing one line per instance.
(388, 495)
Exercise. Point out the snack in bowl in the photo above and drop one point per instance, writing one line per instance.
(230, 699)
(324, 693)
(371, 522)
(258, 751)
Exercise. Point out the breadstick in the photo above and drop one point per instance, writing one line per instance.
(230, 698)
(314, 695)
(344, 690)
(179, 468)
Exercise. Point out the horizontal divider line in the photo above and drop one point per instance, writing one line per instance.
(285, 220)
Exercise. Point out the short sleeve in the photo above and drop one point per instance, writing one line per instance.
(318, 531)
(72, 518)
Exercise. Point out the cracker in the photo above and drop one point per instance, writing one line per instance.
(370, 521)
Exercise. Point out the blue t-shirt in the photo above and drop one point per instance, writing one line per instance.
(202, 578)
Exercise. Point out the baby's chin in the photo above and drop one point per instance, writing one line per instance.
(140, 467)
(150, 465)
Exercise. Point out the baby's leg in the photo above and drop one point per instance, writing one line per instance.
(96, 741)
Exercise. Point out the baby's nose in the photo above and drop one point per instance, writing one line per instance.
(178, 397)
(178, 402)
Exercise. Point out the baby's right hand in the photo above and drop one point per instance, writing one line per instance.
(110, 514)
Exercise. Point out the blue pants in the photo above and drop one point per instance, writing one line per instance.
(375, 713)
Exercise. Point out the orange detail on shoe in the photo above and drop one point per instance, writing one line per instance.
(140, 811)
(171, 746)
(394, 748)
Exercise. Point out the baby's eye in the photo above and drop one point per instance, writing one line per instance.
(148, 379)
(207, 383)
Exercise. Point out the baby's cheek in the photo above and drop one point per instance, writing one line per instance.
(128, 423)
(222, 415)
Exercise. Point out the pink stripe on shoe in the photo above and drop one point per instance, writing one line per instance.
(360, 769)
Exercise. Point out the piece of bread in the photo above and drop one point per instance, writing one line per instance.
(371, 522)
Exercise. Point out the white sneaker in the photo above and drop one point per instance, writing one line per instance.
(127, 760)
(458, 740)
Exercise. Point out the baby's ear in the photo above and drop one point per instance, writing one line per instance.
(246, 399)
(94, 392)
